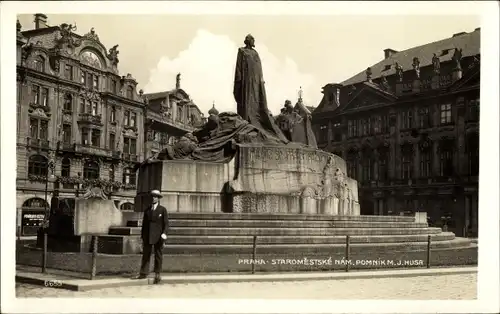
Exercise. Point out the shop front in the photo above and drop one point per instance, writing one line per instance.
(32, 216)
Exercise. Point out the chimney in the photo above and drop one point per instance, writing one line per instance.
(459, 34)
(40, 21)
(389, 52)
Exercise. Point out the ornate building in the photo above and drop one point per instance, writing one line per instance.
(170, 115)
(408, 128)
(79, 123)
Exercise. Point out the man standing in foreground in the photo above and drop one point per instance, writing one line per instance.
(154, 233)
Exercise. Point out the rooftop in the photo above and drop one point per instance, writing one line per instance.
(444, 49)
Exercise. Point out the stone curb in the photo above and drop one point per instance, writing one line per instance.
(48, 280)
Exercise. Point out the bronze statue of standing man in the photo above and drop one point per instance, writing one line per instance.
(250, 94)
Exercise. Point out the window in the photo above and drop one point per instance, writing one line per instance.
(130, 92)
(424, 118)
(45, 97)
(364, 127)
(337, 132)
(39, 129)
(367, 169)
(473, 154)
(34, 128)
(89, 107)
(90, 170)
(114, 89)
(39, 96)
(39, 64)
(112, 141)
(323, 133)
(68, 72)
(94, 108)
(82, 105)
(445, 113)
(377, 124)
(352, 164)
(37, 165)
(68, 102)
(65, 167)
(446, 168)
(126, 117)
(85, 136)
(426, 162)
(95, 82)
(407, 162)
(473, 111)
(83, 78)
(133, 119)
(112, 114)
(66, 133)
(407, 119)
(89, 81)
(128, 176)
(382, 165)
(385, 124)
(129, 145)
(96, 138)
(111, 172)
(352, 128)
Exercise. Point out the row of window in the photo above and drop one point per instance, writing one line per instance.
(380, 172)
(39, 130)
(88, 79)
(379, 124)
(38, 165)
(93, 108)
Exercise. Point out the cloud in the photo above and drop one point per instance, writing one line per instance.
(207, 74)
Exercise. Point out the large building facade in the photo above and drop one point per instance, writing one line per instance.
(408, 128)
(79, 123)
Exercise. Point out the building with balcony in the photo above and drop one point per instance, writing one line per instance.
(408, 128)
(170, 114)
(75, 112)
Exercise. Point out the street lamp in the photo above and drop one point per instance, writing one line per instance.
(50, 168)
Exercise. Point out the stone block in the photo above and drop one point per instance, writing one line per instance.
(96, 216)
(421, 217)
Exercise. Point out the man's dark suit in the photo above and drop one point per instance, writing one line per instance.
(154, 223)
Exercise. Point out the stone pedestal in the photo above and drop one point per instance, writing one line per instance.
(272, 179)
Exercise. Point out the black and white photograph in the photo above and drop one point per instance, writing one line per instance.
(250, 156)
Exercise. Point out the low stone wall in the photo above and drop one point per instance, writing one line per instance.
(122, 264)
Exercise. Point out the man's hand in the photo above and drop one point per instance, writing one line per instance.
(163, 236)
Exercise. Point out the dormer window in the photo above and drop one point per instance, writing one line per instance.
(387, 67)
(39, 64)
(445, 52)
(130, 92)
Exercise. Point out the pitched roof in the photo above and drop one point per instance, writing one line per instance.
(444, 49)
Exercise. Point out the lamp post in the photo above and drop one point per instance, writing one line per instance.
(50, 168)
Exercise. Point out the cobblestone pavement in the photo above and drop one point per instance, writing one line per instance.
(440, 287)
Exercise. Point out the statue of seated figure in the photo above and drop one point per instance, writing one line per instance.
(182, 149)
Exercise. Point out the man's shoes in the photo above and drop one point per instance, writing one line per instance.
(157, 279)
(141, 276)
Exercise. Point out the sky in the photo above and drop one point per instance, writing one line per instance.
(303, 51)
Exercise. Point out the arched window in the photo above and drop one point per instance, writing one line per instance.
(35, 203)
(37, 165)
(68, 102)
(65, 167)
(91, 170)
(130, 92)
(39, 64)
(127, 206)
(128, 176)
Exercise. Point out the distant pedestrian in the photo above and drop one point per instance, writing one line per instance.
(153, 233)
